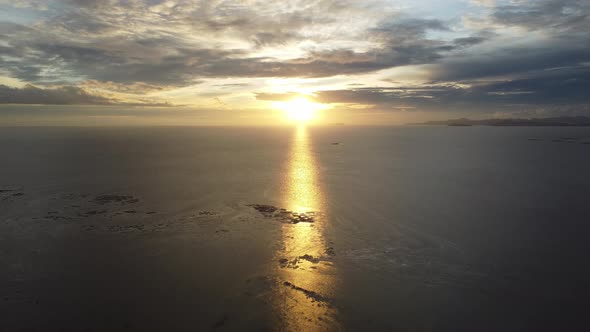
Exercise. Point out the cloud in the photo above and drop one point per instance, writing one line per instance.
(557, 15)
(33, 4)
(65, 95)
(94, 3)
(155, 44)
(277, 96)
(468, 41)
(556, 92)
(512, 61)
(135, 88)
(485, 3)
(116, 51)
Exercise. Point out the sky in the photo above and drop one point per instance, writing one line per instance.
(191, 62)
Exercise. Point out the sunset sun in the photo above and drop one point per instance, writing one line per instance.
(299, 109)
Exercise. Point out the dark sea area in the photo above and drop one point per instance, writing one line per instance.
(295, 228)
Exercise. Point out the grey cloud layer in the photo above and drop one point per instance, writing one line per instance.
(570, 88)
(59, 96)
(177, 43)
(560, 15)
(139, 43)
(65, 95)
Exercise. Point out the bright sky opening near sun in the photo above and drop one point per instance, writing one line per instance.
(69, 62)
(299, 109)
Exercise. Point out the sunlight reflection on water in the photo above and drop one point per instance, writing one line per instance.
(307, 272)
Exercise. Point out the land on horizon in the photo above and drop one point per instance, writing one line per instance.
(562, 121)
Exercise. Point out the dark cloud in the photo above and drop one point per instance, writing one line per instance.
(387, 97)
(57, 96)
(66, 95)
(9, 28)
(135, 88)
(554, 70)
(558, 88)
(512, 61)
(468, 41)
(557, 91)
(383, 97)
(560, 15)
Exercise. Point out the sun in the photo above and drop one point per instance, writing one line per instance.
(299, 109)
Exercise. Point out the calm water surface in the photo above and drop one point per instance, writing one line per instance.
(414, 228)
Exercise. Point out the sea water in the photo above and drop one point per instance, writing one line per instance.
(294, 228)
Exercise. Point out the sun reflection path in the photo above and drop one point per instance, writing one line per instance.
(304, 192)
(306, 270)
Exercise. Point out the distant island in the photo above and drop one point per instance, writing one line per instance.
(563, 121)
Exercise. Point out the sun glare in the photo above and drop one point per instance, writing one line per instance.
(299, 109)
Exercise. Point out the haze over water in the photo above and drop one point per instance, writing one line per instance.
(408, 228)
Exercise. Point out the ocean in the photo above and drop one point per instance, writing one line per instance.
(409, 228)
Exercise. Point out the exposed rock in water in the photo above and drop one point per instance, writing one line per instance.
(330, 251)
(283, 262)
(310, 258)
(284, 215)
(308, 293)
(267, 210)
